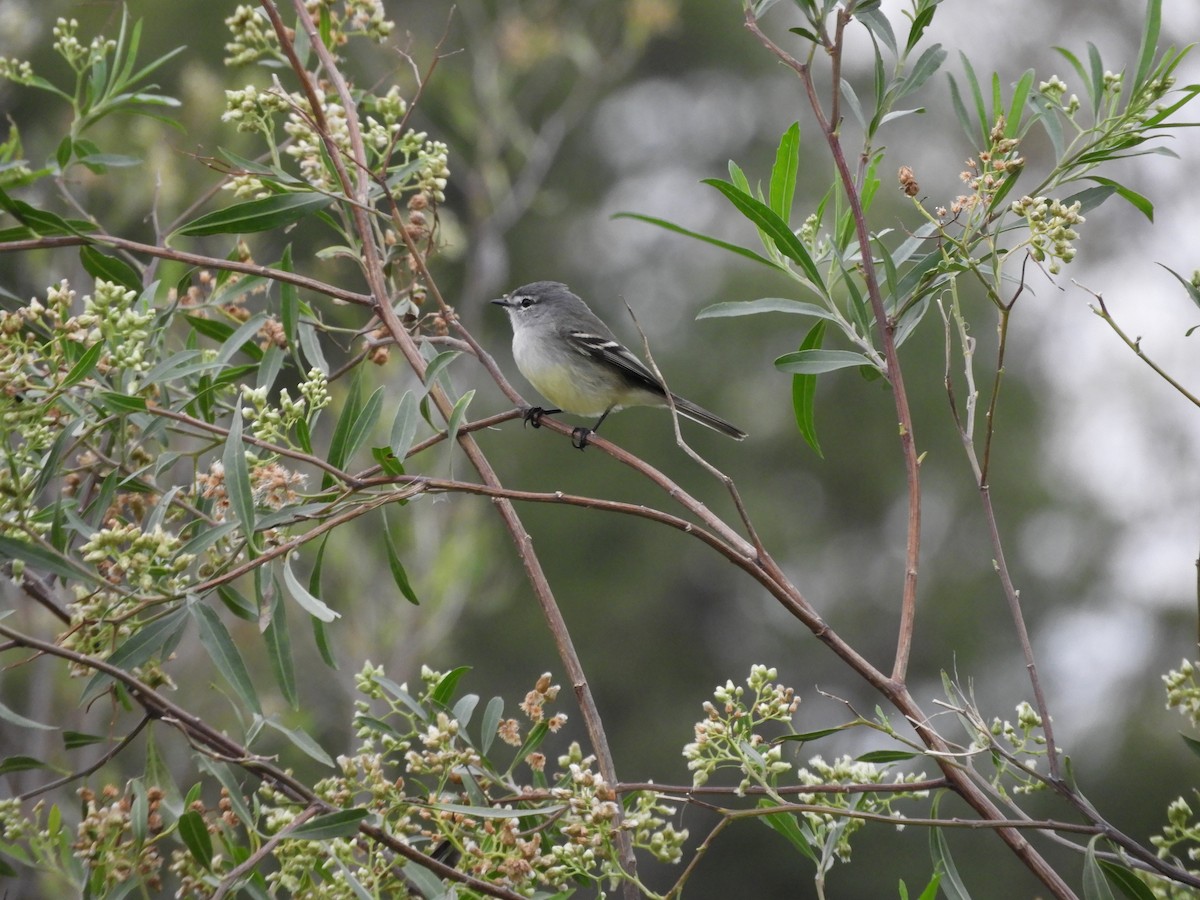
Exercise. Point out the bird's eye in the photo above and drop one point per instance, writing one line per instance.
(526, 302)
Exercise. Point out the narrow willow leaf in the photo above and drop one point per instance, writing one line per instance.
(363, 424)
(764, 305)
(341, 824)
(817, 362)
(243, 340)
(404, 426)
(780, 234)
(72, 740)
(437, 365)
(44, 560)
(1095, 885)
(1095, 83)
(289, 303)
(457, 415)
(399, 575)
(237, 479)
(783, 173)
(257, 215)
(1149, 45)
(1136, 200)
(110, 268)
(1192, 291)
(1130, 885)
(302, 741)
(443, 691)
(339, 443)
(786, 825)
(886, 756)
(492, 714)
(314, 586)
(464, 709)
(1016, 108)
(311, 604)
(12, 764)
(952, 884)
(224, 654)
(278, 641)
(716, 242)
(804, 389)
(84, 366)
(194, 834)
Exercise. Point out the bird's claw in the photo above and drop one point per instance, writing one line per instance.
(533, 416)
(579, 437)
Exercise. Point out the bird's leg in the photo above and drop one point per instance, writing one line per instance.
(533, 415)
(579, 437)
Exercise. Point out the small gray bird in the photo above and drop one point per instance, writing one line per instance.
(576, 363)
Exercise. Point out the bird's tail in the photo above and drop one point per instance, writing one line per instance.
(704, 417)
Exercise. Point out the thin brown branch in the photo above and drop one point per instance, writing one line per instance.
(94, 767)
(192, 259)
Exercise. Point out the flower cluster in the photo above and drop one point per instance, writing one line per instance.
(834, 829)
(728, 736)
(145, 561)
(274, 424)
(79, 56)
(16, 70)
(125, 329)
(986, 175)
(107, 838)
(1052, 227)
(1183, 693)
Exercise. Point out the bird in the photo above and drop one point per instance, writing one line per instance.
(573, 360)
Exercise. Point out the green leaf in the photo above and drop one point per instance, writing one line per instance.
(817, 362)
(786, 824)
(314, 586)
(443, 691)
(492, 714)
(74, 739)
(363, 423)
(783, 173)
(257, 215)
(804, 389)
(437, 365)
(341, 824)
(716, 242)
(886, 756)
(762, 216)
(237, 478)
(1016, 108)
(12, 764)
(311, 604)
(279, 653)
(1095, 885)
(302, 741)
(45, 560)
(339, 443)
(85, 364)
(243, 340)
(194, 834)
(399, 576)
(1128, 883)
(1149, 45)
(457, 415)
(1140, 203)
(404, 427)
(121, 404)
(765, 305)
(952, 885)
(236, 603)
(1191, 743)
(224, 654)
(110, 268)
(1192, 291)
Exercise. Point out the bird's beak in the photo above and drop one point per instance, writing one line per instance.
(501, 301)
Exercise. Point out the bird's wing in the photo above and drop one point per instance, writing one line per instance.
(605, 349)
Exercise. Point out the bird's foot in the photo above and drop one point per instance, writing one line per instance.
(579, 437)
(533, 415)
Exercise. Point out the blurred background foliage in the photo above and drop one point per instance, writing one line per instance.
(559, 114)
